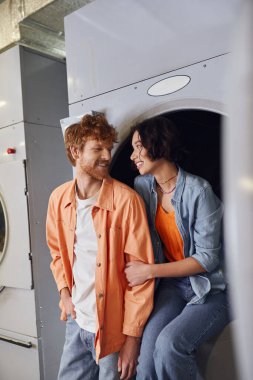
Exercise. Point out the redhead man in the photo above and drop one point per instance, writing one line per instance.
(95, 226)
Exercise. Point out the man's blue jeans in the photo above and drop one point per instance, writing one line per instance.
(78, 360)
(175, 330)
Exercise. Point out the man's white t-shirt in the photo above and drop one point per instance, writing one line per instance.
(84, 267)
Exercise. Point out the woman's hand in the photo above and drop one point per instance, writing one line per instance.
(137, 272)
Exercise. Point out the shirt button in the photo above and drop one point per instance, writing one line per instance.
(100, 295)
(99, 236)
(101, 328)
(98, 264)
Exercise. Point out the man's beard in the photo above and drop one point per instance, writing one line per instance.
(96, 171)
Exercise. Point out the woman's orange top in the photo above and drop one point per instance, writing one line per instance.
(166, 227)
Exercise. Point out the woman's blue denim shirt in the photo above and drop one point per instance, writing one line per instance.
(198, 215)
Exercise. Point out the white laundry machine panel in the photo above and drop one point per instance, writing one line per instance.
(124, 106)
(114, 43)
(15, 265)
(11, 102)
(18, 311)
(19, 357)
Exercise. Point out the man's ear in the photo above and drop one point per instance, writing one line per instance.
(74, 152)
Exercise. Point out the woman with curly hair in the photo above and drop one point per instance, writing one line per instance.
(185, 218)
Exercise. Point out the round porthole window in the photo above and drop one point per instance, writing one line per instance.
(3, 228)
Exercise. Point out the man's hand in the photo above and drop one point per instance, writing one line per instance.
(67, 303)
(137, 272)
(128, 356)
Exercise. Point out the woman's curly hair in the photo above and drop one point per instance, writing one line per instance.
(91, 127)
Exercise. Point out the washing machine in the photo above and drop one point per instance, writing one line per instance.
(33, 97)
(15, 270)
(136, 59)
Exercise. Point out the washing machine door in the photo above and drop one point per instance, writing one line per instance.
(3, 228)
(15, 264)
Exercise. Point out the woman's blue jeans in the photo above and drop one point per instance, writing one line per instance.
(175, 330)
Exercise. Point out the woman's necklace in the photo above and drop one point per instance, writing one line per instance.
(162, 183)
(166, 192)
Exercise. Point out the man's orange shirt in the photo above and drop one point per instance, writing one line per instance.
(122, 231)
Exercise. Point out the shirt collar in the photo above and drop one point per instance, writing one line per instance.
(69, 197)
(153, 184)
(179, 185)
(105, 198)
